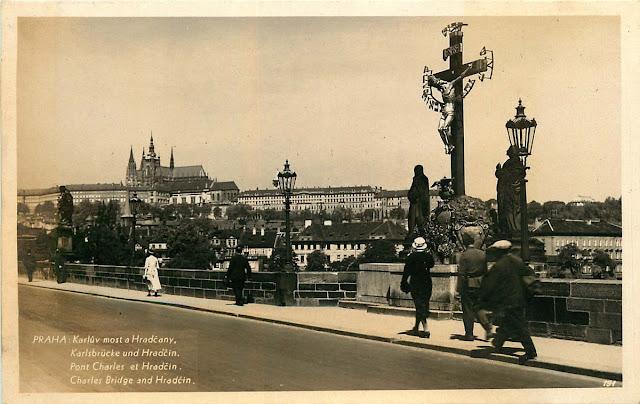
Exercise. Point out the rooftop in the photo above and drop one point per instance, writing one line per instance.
(352, 232)
(572, 227)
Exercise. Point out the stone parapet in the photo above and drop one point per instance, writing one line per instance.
(580, 309)
(301, 289)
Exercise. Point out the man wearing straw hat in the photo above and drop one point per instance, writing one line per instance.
(416, 279)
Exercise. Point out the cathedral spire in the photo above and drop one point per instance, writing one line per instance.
(152, 151)
(131, 160)
(171, 164)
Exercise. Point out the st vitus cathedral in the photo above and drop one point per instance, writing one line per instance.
(151, 172)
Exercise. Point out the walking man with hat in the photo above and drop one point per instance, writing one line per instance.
(416, 279)
(502, 292)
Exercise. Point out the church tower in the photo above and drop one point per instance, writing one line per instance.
(132, 177)
(171, 164)
(150, 165)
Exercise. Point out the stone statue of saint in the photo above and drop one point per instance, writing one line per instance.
(510, 178)
(418, 195)
(447, 106)
(65, 206)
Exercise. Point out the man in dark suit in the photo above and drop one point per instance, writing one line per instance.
(471, 268)
(502, 292)
(238, 273)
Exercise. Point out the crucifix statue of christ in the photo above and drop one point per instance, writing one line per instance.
(449, 84)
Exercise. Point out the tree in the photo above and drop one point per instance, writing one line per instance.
(272, 214)
(554, 209)
(604, 265)
(105, 242)
(316, 261)
(278, 260)
(217, 212)
(23, 208)
(379, 251)
(349, 263)
(534, 210)
(46, 208)
(569, 258)
(339, 214)
(239, 212)
(368, 215)
(189, 247)
(398, 213)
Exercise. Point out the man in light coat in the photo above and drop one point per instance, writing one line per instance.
(151, 277)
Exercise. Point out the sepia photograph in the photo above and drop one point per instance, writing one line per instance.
(284, 202)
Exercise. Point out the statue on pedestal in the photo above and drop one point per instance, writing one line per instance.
(510, 178)
(419, 208)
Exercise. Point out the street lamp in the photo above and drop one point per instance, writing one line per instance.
(134, 205)
(286, 182)
(521, 132)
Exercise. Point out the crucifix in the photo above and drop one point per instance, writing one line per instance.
(449, 84)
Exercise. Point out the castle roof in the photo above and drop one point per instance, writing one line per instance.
(225, 186)
(189, 171)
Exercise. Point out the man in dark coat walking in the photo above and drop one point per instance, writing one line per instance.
(472, 266)
(502, 292)
(238, 273)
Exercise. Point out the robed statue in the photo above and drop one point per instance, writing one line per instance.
(418, 195)
(510, 179)
(65, 206)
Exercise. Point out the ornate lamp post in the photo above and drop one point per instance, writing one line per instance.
(134, 204)
(521, 132)
(286, 182)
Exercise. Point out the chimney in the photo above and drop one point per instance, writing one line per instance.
(307, 223)
(327, 222)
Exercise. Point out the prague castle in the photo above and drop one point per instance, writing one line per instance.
(151, 172)
(151, 182)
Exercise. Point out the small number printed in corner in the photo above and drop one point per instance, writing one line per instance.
(608, 383)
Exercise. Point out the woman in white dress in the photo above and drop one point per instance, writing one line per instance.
(151, 276)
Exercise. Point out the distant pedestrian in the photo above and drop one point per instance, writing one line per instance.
(472, 266)
(502, 292)
(30, 265)
(151, 277)
(416, 279)
(238, 273)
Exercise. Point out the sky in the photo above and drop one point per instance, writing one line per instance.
(339, 97)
